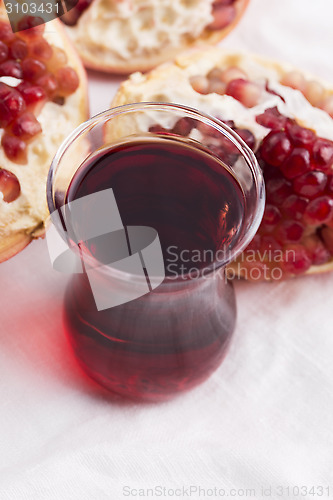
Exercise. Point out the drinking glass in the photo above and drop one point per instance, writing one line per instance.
(152, 201)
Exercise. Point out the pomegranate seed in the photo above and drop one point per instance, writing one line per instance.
(41, 49)
(300, 136)
(18, 49)
(316, 250)
(323, 154)
(275, 148)
(11, 68)
(3, 51)
(223, 16)
(9, 186)
(294, 207)
(270, 218)
(215, 74)
(272, 118)
(246, 92)
(216, 86)
(48, 83)
(26, 126)
(310, 184)
(33, 69)
(58, 59)
(233, 73)
(6, 33)
(31, 27)
(247, 136)
(32, 94)
(327, 235)
(67, 79)
(295, 80)
(15, 149)
(327, 105)
(319, 210)
(278, 190)
(11, 104)
(314, 92)
(200, 84)
(289, 231)
(268, 242)
(183, 126)
(330, 184)
(296, 259)
(297, 163)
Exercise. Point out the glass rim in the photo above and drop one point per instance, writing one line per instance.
(225, 130)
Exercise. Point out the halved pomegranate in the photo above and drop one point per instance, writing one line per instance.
(296, 233)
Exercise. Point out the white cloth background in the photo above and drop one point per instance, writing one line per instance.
(264, 418)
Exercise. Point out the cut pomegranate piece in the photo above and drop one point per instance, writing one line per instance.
(297, 163)
(246, 92)
(319, 210)
(68, 80)
(11, 68)
(15, 148)
(275, 148)
(26, 126)
(310, 184)
(3, 51)
(18, 49)
(9, 186)
(223, 16)
(33, 69)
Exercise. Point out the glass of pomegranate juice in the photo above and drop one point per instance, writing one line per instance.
(153, 201)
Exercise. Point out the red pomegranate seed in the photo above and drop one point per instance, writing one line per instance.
(294, 207)
(6, 33)
(59, 59)
(270, 218)
(15, 149)
(316, 249)
(247, 136)
(32, 94)
(268, 242)
(9, 186)
(11, 68)
(31, 27)
(323, 154)
(183, 126)
(330, 184)
(327, 235)
(67, 79)
(200, 84)
(275, 148)
(18, 49)
(278, 190)
(246, 92)
(296, 259)
(319, 210)
(272, 118)
(48, 83)
(300, 136)
(3, 51)
(310, 184)
(223, 16)
(289, 231)
(41, 49)
(33, 69)
(295, 80)
(11, 104)
(297, 163)
(26, 126)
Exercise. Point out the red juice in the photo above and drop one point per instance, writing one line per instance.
(175, 336)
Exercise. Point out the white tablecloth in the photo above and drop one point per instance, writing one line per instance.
(264, 419)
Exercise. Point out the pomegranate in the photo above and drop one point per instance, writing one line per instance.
(219, 17)
(296, 232)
